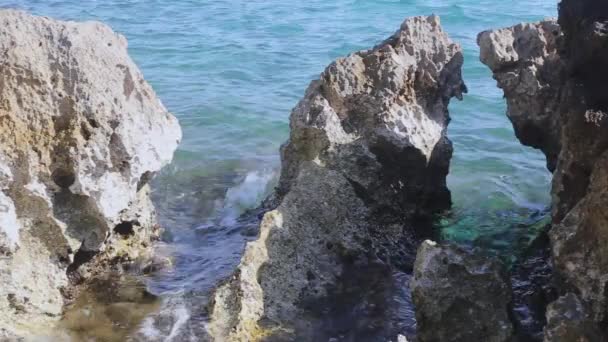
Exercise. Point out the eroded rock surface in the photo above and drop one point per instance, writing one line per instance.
(579, 107)
(362, 172)
(81, 134)
(460, 296)
(528, 68)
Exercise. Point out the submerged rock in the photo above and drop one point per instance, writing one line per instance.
(577, 102)
(460, 296)
(533, 289)
(363, 171)
(81, 135)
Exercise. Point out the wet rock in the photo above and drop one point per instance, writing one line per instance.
(533, 289)
(111, 309)
(460, 296)
(526, 64)
(362, 173)
(569, 321)
(81, 134)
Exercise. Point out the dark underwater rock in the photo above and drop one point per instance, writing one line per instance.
(460, 296)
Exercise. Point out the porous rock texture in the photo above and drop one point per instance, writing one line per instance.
(364, 167)
(460, 296)
(526, 65)
(81, 134)
(579, 234)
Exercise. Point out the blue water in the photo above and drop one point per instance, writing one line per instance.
(231, 70)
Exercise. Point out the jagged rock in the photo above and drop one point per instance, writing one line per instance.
(81, 134)
(579, 236)
(528, 68)
(460, 296)
(366, 159)
(379, 117)
(568, 321)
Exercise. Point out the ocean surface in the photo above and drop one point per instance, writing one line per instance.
(232, 70)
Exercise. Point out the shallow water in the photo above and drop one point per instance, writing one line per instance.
(231, 70)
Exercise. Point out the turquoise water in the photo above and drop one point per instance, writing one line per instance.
(232, 70)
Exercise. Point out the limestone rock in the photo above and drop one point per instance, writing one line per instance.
(460, 296)
(380, 116)
(568, 321)
(81, 134)
(300, 252)
(579, 236)
(528, 68)
(366, 159)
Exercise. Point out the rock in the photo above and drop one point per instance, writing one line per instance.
(302, 247)
(363, 169)
(580, 244)
(81, 135)
(526, 64)
(568, 321)
(579, 234)
(460, 296)
(379, 117)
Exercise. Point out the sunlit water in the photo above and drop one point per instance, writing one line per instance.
(231, 70)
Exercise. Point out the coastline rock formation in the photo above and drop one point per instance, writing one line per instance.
(362, 173)
(526, 65)
(81, 135)
(460, 296)
(579, 107)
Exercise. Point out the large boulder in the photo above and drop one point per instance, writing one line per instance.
(81, 134)
(460, 296)
(363, 170)
(577, 103)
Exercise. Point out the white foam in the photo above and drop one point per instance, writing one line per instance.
(182, 315)
(248, 194)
